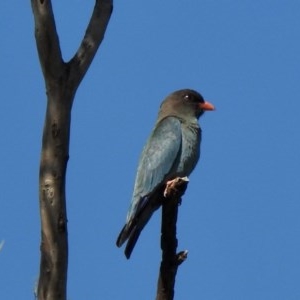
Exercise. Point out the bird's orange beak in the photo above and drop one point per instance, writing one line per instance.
(206, 106)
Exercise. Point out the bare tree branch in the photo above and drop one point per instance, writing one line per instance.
(170, 260)
(47, 40)
(54, 239)
(92, 39)
(62, 81)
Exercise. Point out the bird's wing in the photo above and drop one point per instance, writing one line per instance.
(157, 159)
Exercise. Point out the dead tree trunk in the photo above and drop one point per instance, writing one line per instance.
(61, 80)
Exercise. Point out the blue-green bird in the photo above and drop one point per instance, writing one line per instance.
(172, 150)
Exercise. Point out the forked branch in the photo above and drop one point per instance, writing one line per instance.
(62, 80)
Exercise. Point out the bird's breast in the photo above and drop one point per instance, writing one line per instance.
(190, 149)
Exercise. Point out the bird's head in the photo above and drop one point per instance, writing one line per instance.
(186, 104)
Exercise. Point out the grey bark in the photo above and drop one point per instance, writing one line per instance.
(61, 80)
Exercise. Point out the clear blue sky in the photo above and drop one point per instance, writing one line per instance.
(240, 216)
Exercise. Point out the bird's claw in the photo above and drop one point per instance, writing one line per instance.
(176, 186)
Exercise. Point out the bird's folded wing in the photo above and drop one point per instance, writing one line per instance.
(156, 162)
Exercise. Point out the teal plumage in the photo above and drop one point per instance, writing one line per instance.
(172, 150)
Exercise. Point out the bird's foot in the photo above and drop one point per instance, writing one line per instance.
(176, 187)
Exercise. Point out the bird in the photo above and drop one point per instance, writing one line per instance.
(172, 150)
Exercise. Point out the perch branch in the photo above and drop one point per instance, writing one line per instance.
(170, 260)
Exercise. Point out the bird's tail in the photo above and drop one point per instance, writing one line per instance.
(124, 235)
(132, 241)
(130, 233)
(132, 229)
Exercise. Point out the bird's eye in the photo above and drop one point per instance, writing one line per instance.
(187, 97)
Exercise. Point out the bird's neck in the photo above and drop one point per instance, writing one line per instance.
(190, 122)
